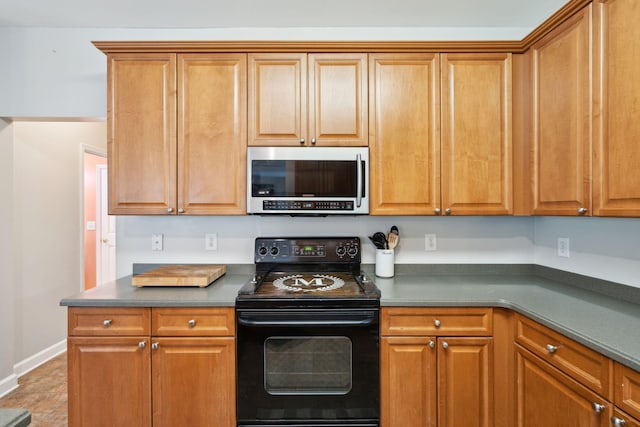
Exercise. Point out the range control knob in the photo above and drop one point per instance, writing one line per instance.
(352, 251)
(274, 250)
(262, 251)
(340, 251)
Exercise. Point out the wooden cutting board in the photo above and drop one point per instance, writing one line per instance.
(180, 275)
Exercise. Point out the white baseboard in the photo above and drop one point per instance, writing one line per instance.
(8, 384)
(38, 359)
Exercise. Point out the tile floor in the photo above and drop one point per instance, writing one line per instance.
(43, 392)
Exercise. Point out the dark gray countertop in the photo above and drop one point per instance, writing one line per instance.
(602, 315)
(14, 417)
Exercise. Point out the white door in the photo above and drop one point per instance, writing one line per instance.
(105, 232)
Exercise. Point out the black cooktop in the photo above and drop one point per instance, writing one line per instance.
(317, 272)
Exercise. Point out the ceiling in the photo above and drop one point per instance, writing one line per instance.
(276, 13)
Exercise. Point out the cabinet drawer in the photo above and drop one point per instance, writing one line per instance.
(412, 321)
(590, 368)
(193, 322)
(108, 321)
(627, 390)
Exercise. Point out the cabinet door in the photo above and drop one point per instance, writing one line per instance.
(338, 99)
(404, 146)
(408, 382)
(465, 382)
(547, 397)
(562, 119)
(476, 134)
(212, 136)
(277, 98)
(616, 190)
(109, 381)
(627, 390)
(194, 382)
(141, 135)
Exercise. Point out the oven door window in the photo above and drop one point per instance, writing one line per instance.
(308, 365)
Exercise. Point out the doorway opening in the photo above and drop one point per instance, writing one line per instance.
(98, 225)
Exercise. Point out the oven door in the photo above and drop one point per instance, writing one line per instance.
(308, 368)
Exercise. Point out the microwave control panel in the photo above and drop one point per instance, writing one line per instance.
(307, 205)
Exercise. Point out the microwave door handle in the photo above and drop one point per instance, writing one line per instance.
(358, 180)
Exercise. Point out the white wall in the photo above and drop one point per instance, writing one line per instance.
(606, 248)
(47, 205)
(7, 281)
(57, 72)
(459, 239)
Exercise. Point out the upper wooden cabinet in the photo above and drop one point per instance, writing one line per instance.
(616, 160)
(417, 171)
(476, 134)
(561, 137)
(153, 167)
(308, 99)
(404, 150)
(141, 135)
(212, 133)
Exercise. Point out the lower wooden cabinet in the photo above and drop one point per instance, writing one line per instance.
(109, 381)
(429, 381)
(151, 379)
(547, 397)
(192, 382)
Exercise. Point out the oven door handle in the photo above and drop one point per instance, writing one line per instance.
(302, 320)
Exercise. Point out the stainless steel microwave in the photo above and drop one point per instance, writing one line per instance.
(308, 180)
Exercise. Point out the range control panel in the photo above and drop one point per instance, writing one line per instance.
(304, 250)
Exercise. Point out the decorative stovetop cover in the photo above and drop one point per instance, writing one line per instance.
(312, 284)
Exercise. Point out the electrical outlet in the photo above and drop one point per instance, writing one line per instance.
(157, 242)
(430, 242)
(563, 247)
(211, 241)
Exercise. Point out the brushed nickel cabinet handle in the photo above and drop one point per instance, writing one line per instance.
(192, 323)
(552, 348)
(107, 323)
(618, 422)
(598, 408)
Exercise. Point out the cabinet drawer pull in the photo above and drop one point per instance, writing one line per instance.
(155, 346)
(107, 323)
(437, 323)
(180, 210)
(582, 211)
(447, 211)
(597, 407)
(445, 345)
(313, 141)
(169, 210)
(438, 210)
(552, 348)
(142, 344)
(301, 140)
(432, 344)
(192, 323)
(618, 422)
